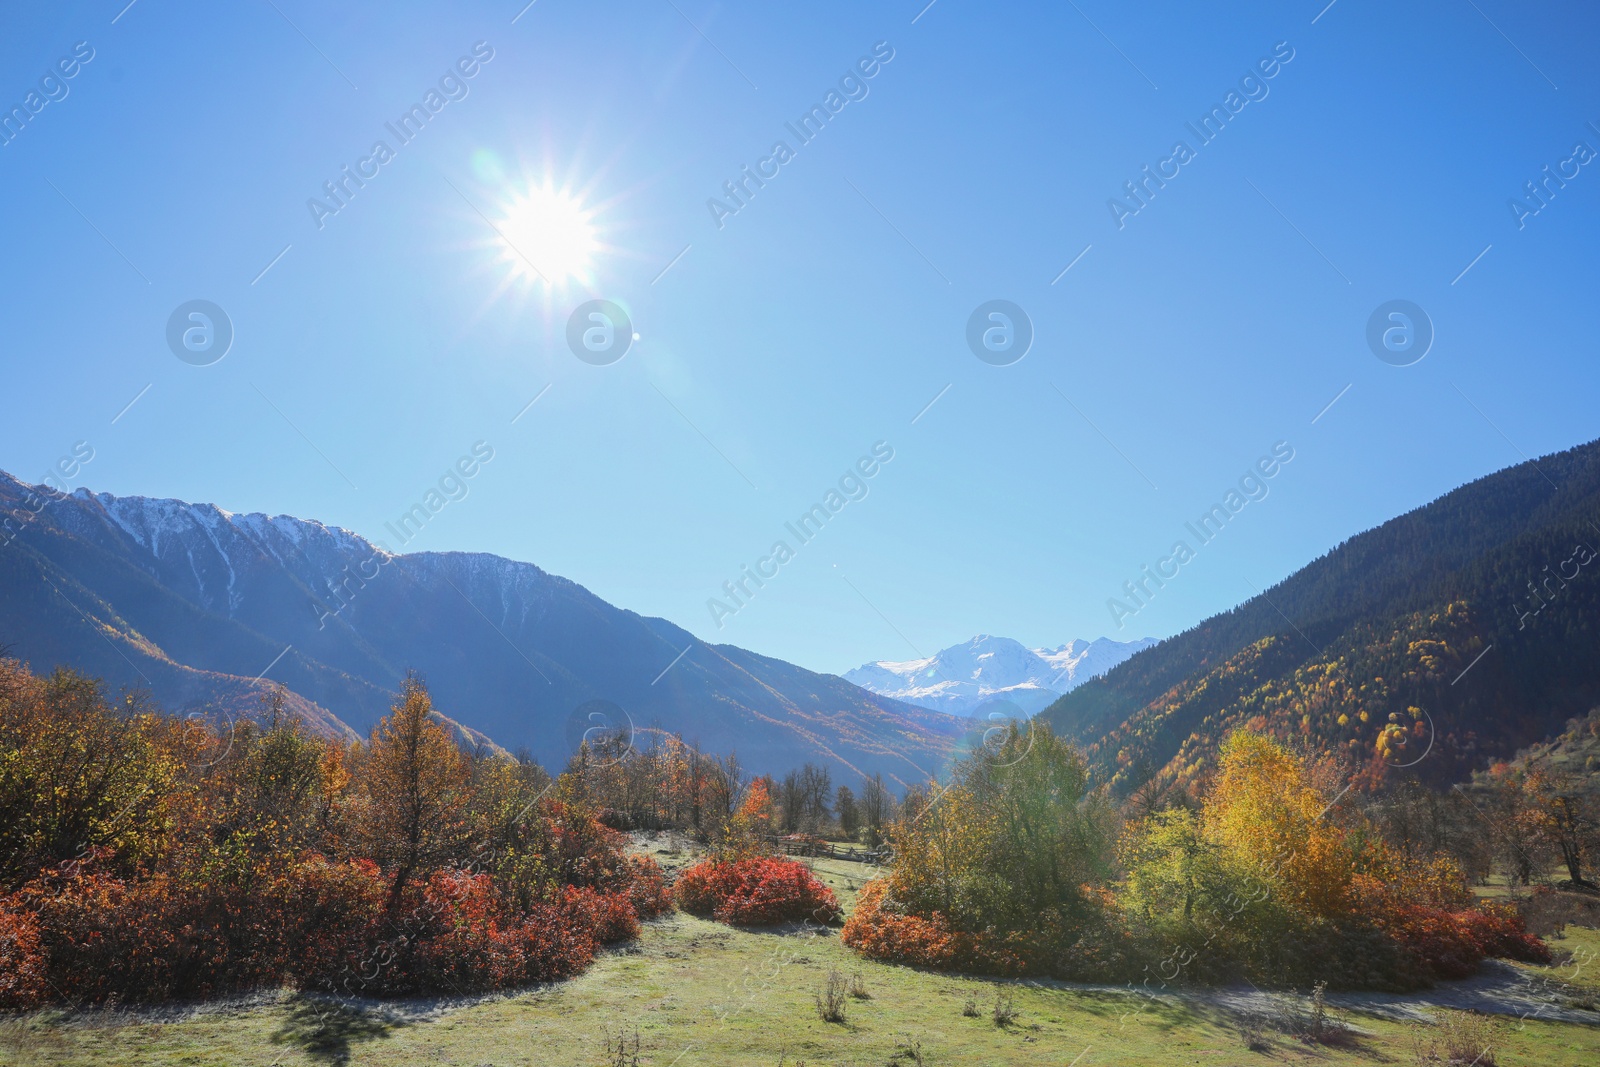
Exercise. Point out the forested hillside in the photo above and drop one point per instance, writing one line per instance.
(1454, 633)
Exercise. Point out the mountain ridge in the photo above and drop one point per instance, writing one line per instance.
(175, 596)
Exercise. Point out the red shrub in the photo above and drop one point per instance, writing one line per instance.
(580, 850)
(755, 892)
(1498, 930)
(22, 964)
(1443, 942)
(608, 917)
(881, 933)
(469, 944)
(646, 887)
(1436, 940)
(317, 924)
(329, 910)
(161, 938)
(460, 944)
(454, 934)
(103, 937)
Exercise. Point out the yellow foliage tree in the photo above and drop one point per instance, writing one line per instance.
(79, 773)
(1266, 812)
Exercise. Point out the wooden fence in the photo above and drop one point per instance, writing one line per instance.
(792, 846)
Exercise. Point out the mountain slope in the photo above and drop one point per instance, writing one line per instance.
(993, 672)
(194, 603)
(1425, 634)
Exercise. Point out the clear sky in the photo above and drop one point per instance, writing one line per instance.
(778, 343)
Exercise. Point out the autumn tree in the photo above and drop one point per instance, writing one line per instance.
(916, 800)
(745, 833)
(1172, 868)
(941, 858)
(1052, 833)
(1567, 816)
(1521, 847)
(416, 782)
(505, 793)
(1266, 811)
(816, 793)
(268, 783)
(789, 799)
(78, 774)
(1186, 889)
(696, 771)
(723, 784)
(1014, 840)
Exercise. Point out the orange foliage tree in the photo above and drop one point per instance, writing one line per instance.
(745, 833)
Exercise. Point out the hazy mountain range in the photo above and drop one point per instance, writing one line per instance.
(994, 674)
(205, 608)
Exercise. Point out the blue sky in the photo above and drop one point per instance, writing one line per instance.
(828, 312)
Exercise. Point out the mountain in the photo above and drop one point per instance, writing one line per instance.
(988, 674)
(1451, 635)
(205, 608)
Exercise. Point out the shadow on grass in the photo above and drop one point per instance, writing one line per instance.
(325, 1029)
(1263, 1037)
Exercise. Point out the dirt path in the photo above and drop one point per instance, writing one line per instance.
(1497, 989)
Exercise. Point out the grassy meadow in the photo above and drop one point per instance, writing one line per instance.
(696, 992)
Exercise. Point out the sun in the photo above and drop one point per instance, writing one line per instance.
(548, 235)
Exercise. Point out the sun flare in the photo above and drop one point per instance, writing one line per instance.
(549, 235)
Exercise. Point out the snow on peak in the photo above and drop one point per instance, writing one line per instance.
(994, 673)
(205, 549)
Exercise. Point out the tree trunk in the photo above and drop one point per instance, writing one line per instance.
(402, 875)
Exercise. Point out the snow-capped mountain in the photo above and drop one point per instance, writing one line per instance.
(994, 673)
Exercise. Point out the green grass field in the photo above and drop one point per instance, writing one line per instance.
(1575, 969)
(700, 993)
